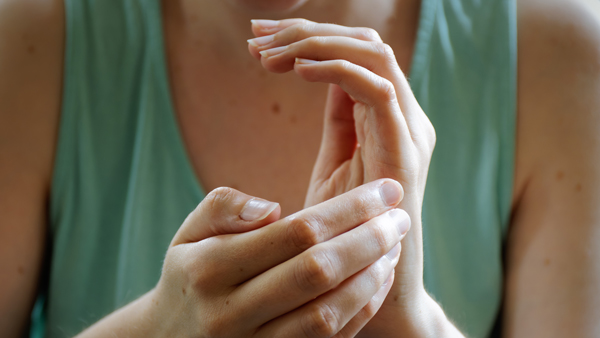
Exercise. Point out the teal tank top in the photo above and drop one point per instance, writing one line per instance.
(123, 183)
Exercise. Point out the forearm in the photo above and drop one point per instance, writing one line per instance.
(425, 320)
(137, 319)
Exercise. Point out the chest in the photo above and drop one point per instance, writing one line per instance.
(249, 132)
(244, 127)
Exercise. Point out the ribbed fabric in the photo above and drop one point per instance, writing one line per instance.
(123, 183)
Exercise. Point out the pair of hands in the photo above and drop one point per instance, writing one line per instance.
(235, 269)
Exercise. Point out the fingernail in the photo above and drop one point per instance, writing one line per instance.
(394, 254)
(390, 193)
(273, 51)
(388, 280)
(402, 220)
(380, 295)
(261, 41)
(257, 209)
(265, 23)
(305, 61)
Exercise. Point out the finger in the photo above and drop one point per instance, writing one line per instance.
(226, 211)
(299, 29)
(330, 313)
(252, 253)
(268, 27)
(323, 267)
(285, 32)
(368, 311)
(375, 56)
(338, 143)
(391, 129)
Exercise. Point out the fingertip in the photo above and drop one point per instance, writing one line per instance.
(391, 192)
(305, 62)
(383, 291)
(257, 209)
(274, 215)
(305, 68)
(265, 27)
(253, 51)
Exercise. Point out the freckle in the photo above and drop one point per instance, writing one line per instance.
(293, 119)
(241, 269)
(31, 49)
(227, 303)
(183, 291)
(578, 187)
(560, 175)
(271, 243)
(275, 108)
(21, 270)
(547, 262)
(395, 298)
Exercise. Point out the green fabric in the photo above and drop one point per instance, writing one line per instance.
(123, 184)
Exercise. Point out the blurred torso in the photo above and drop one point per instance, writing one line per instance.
(247, 128)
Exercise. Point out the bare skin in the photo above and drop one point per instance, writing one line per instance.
(553, 267)
(273, 114)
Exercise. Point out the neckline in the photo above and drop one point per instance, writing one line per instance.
(418, 62)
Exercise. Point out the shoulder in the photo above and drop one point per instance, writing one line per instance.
(558, 86)
(31, 59)
(569, 29)
(31, 50)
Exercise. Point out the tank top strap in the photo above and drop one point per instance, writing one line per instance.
(464, 77)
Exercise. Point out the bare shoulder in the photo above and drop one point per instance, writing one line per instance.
(31, 62)
(31, 54)
(552, 256)
(558, 84)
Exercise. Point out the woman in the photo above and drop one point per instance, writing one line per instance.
(102, 144)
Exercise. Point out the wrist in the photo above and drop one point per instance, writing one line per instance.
(422, 317)
(137, 319)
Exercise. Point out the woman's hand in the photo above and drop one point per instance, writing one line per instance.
(374, 128)
(320, 272)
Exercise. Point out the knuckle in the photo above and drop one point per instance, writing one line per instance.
(341, 66)
(315, 41)
(369, 34)
(302, 30)
(217, 326)
(386, 52)
(219, 197)
(380, 233)
(316, 273)
(431, 135)
(342, 69)
(199, 273)
(304, 232)
(370, 309)
(304, 22)
(322, 322)
(386, 90)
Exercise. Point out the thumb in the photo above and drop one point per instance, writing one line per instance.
(226, 211)
(339, 135)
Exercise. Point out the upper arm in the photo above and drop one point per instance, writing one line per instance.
(31, 44)
(553, 252)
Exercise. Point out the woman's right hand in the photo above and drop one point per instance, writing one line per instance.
(232, 271)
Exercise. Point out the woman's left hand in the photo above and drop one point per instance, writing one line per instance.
(374, 128)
